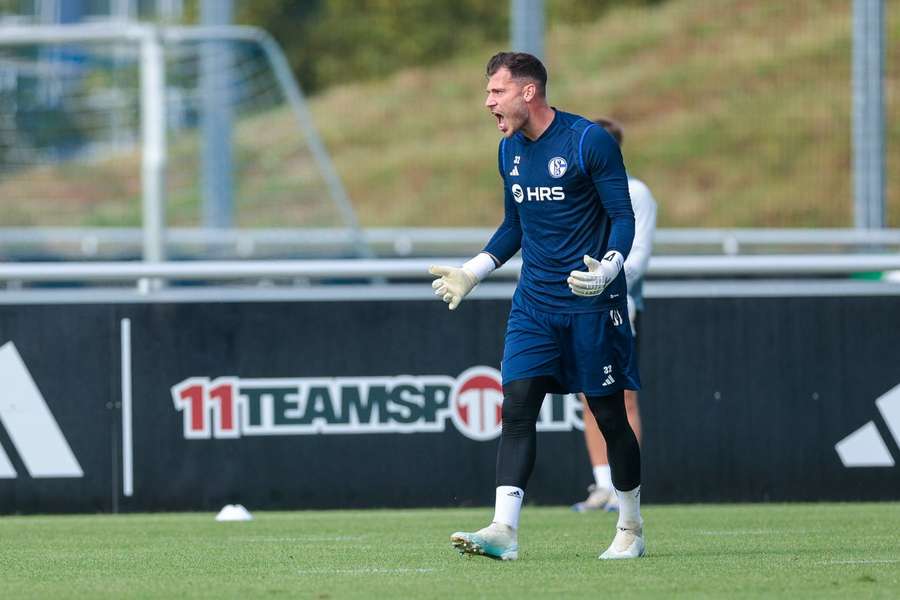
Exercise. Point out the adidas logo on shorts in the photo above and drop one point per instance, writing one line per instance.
(615, 316)
(608, 381)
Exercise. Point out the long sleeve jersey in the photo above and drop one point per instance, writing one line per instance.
(565, 195)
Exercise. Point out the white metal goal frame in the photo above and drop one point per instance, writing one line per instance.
(154, 156)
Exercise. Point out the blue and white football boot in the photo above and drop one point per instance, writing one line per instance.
(495, 541)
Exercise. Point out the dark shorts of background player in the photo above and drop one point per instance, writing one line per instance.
(583, 352)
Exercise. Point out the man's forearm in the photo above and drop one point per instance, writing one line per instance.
(505, 242)
(621, 234)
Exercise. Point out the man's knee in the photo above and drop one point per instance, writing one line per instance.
(609, 412)
(521, 405)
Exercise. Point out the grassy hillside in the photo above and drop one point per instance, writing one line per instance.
(737, 113)
(736, 116)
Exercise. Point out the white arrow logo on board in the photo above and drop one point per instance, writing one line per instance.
(865, 447)
(30, 424)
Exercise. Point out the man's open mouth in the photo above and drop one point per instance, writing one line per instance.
(501, 121)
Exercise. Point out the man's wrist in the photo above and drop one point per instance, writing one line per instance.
(480, 265)
(613, 261)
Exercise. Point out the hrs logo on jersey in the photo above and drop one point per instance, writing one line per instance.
(537, 194)
(233, 407)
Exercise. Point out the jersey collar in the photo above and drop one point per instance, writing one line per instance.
(554, 124)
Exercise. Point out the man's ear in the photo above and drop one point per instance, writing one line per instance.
(529, 92)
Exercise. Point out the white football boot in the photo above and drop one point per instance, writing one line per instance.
(628, 543)
(494, 541)
(598, 497)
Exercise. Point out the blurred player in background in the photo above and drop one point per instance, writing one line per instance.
(567, 208)
(601, 494)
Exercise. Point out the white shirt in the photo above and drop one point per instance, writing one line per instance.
(644, 206)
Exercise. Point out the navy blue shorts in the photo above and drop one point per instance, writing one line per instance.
(584, 352)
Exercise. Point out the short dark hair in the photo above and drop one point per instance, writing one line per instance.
(612, 127)
(521, 66)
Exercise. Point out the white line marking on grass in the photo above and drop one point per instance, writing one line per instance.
(302, 538)
(862, 561)
(738, 532)
(363, 571)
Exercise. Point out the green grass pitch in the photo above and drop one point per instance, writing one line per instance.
(700, 551)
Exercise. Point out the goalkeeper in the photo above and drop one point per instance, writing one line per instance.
(567, 208)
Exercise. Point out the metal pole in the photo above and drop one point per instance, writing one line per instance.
(527, 26)
(216, 120)
(417, 268)
(868, 114)
(153, 134)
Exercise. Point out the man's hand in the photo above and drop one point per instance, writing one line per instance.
(600, 274)
(452, 284)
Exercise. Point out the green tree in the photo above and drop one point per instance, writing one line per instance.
(333, 41)
(341, 40)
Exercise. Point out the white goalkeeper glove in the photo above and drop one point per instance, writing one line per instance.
(600, 274)
(454, 283)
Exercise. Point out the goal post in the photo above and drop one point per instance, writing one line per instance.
(151, 44)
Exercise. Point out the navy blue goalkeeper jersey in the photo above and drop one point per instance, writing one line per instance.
(565, 195)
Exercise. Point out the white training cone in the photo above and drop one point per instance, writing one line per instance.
(234, 512)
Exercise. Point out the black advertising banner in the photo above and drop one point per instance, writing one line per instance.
(334, 404)
(772, 398)
(59, 424)
(321, 404)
